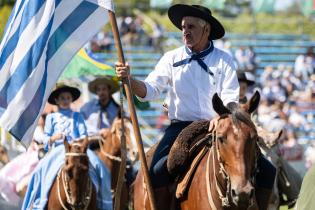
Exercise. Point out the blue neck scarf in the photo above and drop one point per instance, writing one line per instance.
(198, 57)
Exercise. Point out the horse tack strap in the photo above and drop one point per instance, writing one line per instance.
(210, 198)
(75, 154)
(182, 185)
(58, 191)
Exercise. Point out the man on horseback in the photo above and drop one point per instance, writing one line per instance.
(194, 72)
(99, 113)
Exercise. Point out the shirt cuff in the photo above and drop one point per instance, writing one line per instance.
(149, 95)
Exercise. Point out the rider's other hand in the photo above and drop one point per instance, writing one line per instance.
(122, 70)
(56, 137)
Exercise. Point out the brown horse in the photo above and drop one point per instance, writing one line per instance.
(110, 153)
(224, 178)
(73, 188)
(4, 157)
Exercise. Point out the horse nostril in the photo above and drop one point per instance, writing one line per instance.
(233, 193)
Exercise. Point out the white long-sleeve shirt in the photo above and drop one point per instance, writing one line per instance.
(191, 88)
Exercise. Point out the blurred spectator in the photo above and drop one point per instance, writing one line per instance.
(305, 64)
(157, 37)
(266, 75)
(224, 44)
(124, 25)
(290, 149)
(39, 130)
(310, 155)
(163, 121)
(246, 58)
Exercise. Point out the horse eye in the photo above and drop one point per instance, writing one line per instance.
(69, 174)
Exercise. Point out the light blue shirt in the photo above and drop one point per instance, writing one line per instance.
(96, 119)
(67, 122)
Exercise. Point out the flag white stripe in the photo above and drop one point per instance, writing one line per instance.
(106, 4)
(11, 29)
(27, 40)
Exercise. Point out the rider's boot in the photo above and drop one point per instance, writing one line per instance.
(262, 197)
(163, 198)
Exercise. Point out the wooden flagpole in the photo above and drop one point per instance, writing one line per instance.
(133, 115)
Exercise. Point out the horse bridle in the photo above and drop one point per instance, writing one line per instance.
(106, 154)
(85, 201)
(225, 201)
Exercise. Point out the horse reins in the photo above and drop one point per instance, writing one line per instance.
(224, 199)
(65, 183)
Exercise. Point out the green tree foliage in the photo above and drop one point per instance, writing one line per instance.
(6, 2)
(4, 16)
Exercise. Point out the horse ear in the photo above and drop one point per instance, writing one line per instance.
(253, 102)
(218, 105)
(67, 145)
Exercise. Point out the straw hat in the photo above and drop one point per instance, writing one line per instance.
(108, 80)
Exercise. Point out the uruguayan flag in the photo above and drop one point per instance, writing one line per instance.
(40, 38)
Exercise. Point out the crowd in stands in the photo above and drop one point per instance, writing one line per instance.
(132, 33)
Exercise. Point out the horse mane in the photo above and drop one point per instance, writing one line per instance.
(239, 115)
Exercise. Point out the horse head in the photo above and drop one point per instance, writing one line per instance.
(235, 149)
(4, 157)
(75, 177)
(113, 137)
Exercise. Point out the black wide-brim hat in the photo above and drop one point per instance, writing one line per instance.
(75, 92)
(246, 77)
(178, 11)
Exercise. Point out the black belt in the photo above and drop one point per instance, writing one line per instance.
(179, 121)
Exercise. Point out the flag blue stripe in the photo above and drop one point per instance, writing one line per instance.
(28, 13)
(30, 10)
(30, 114)
(69, 25)
(73, 21)
(25, 68)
